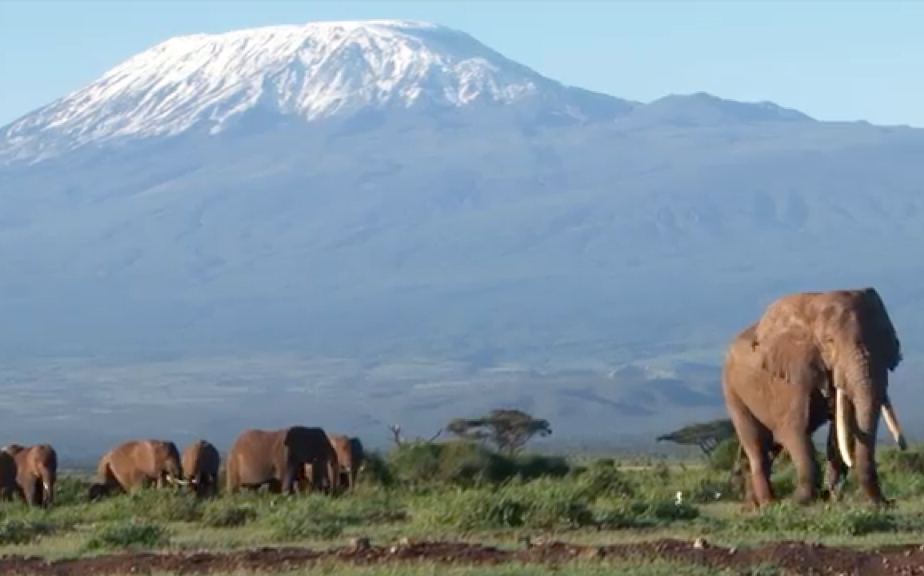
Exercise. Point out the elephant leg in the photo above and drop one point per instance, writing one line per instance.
(289, 479)
(755, 440)
(799, 445)
(29, 491)
(333, 476)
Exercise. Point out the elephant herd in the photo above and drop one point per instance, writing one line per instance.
(810, 359)
(295, 458)
(813, 358)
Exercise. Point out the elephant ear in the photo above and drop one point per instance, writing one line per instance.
(791, 356)
(884, 342)
(784, 340)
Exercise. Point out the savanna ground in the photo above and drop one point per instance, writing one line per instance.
(456, 509)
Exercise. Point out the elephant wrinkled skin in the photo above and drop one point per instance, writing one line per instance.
(36, 472)
(821, 412)
(136, 463)
(856, 342)
(201, 462)
(278, 458)
(764, 409)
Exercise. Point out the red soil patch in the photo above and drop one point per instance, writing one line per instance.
(795, 557)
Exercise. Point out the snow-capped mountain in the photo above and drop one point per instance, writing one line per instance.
(207, 81)
(418, 214)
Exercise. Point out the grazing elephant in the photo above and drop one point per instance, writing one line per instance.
(349, 457)
(200, 467)
(8, 484)
(36, 472)
(278, 458)
(854, 340)
(136, 463)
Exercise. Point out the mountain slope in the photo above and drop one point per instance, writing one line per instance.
(534, 227)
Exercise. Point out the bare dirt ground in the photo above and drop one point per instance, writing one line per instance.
(795, 557)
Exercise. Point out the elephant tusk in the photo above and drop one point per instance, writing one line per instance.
(888, 414)
(840, 408)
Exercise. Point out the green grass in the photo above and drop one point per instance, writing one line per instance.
(597, 502)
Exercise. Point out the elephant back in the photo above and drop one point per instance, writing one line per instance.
(200, 457)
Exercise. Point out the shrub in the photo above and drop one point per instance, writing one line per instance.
(23, 532)
(376, 471)
(601, 481)
(531, 466)
(71, 490)
(132, 534)
(465, 463)
(470, 510)
(908, 462)
(722, 458)
(456, 462)
(228, 516)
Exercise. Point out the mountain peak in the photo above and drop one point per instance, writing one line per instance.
(208, 81)
(704, 109)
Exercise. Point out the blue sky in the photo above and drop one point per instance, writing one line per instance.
(832, 60)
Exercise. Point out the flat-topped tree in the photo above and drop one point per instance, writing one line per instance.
(507, 429)
(706, 435)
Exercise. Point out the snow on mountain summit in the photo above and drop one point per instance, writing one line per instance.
(310, 71)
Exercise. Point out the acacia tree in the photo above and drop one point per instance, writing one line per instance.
(507, 429)
(706, 435)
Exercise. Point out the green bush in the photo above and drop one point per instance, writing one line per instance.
(532, 466)
(465, 463)
(376, 471)
(71, 490)
(607, 481)
(910, 461)
(132, 534)
(456, 462)
(14, 531)
(722, 458)
(225, 516)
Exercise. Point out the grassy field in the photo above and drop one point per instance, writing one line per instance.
(462, 493)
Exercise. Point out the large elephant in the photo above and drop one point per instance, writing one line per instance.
(278, 458)
(201, 462)
(136, 463)
(854, 340)
(36, 472)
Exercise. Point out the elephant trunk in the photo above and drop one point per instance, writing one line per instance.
(865, 391)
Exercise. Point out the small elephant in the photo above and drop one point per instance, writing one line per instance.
(136, 463)
(278, 458)
(201, 462)
(36, 472)
(349, 456)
